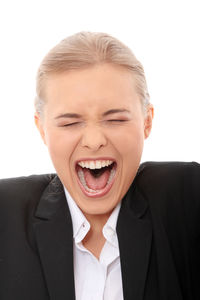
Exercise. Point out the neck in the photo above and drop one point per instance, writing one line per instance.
(94, 240)
(97, 222)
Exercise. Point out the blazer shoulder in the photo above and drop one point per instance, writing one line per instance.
(173, 188)
(168, 165)
(170, 178)
(23, 187)
(170, 170)
(17, 182)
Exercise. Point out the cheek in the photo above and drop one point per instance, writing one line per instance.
(129, 142)
(60, 145)
(131, 152)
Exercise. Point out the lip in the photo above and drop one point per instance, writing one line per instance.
(103, 191)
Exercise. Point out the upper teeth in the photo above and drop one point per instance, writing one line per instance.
(95, 164)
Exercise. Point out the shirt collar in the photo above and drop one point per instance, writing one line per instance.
(109, 229)
(81, 226)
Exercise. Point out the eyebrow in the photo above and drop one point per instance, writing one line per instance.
(68, 115)
(114, 111)
(76, 116)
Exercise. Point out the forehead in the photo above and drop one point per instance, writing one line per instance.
(101, 84)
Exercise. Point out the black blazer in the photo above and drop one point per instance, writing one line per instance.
(158, 230)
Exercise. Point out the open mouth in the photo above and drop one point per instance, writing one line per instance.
(96, 177)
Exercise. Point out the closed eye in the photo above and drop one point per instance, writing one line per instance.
(117, 120)
(71, 124)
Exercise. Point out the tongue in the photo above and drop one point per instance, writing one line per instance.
(96, 183)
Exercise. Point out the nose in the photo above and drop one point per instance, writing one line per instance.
(93, 138)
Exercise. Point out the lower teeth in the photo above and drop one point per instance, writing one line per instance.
(82, 179)
(112, 173)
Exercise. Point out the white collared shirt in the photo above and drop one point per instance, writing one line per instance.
(96, 279)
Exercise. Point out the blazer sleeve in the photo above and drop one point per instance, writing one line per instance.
(191, 190)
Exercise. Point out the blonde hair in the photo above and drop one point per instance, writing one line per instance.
(86, 49)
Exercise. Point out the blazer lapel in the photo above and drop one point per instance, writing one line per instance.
(134, 231)
(53, 229)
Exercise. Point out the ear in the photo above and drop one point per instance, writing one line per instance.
(39, 123)
(149, 114)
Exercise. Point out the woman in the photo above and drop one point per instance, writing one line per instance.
(103, 226)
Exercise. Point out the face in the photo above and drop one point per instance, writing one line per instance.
(94, 127)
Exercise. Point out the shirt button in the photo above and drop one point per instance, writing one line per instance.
(84, 226)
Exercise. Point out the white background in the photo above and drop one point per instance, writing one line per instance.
(164, 35)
